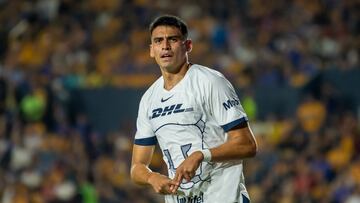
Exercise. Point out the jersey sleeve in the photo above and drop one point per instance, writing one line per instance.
(144, 134)
(224, 104)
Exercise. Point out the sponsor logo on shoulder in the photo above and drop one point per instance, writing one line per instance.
(230, 103)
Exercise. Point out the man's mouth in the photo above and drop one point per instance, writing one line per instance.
(166, 56)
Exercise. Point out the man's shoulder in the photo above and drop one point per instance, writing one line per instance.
(200, 69)
(207, 75)
(151, 89)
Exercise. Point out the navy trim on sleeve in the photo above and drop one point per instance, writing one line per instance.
(245, 199)
(229, 126)
(146, 141)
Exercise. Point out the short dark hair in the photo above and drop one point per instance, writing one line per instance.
(170, 20)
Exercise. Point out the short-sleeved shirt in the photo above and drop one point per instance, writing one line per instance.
(195, 114)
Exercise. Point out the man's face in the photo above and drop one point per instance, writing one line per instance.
(169, 48)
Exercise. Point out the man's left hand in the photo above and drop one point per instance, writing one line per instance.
(187, 169)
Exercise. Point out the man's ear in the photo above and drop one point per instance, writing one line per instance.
(188, 45)
(151, 51)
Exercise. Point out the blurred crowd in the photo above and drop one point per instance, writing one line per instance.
(49, 153)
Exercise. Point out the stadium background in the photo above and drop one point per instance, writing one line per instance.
(72, 73)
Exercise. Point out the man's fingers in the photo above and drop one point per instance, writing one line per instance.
(164, 185)
(187, 177)
(178, 178)
(176, 181)
(173, 187)
(166, 188)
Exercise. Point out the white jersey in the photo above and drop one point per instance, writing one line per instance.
(194, 115)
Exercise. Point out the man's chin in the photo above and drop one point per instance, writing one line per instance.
(170, 68)
(167, 65)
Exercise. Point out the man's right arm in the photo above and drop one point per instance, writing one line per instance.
(142, 174)
(141, 158)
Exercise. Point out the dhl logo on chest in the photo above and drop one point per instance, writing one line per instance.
(168, 110)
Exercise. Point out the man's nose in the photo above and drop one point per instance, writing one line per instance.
(166, 45)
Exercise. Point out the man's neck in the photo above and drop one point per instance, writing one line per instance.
(172, 79)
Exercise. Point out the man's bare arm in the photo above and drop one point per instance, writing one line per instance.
(240, 144)
(142, 174)
(141, 159)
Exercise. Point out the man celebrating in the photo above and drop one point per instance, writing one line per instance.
(196, 117)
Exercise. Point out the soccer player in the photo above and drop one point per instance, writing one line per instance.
(195, 116)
